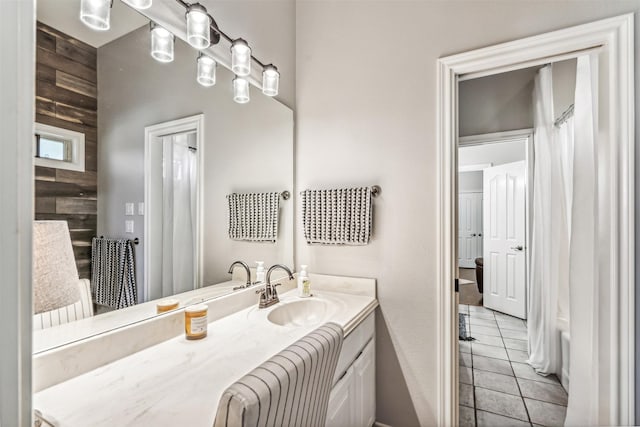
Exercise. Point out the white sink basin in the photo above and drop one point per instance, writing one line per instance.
(307, 312)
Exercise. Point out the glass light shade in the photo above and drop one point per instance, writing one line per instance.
(240, 58)
(138, 4)
(198, 26)
(270, 80)
(206, 70)
(162, 42)
(96, 14)
(241, 90)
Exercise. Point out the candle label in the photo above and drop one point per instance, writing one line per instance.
(198, 325)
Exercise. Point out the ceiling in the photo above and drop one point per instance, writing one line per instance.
(64, 15)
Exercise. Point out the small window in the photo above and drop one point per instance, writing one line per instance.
(59, 148)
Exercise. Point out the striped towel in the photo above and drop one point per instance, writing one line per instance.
(254, 216)
(337, 217)
(113, 279)
(290, 389)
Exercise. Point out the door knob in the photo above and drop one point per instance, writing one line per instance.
(517, 248)
(473, 235)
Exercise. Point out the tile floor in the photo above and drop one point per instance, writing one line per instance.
(497, 387)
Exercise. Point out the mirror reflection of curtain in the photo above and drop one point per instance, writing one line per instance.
(179, 214)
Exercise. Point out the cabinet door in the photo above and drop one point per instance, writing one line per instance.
(341, 402)
(364, 370)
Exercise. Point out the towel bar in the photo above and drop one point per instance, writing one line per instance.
(375, 190)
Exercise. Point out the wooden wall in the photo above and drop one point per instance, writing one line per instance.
(66, 97)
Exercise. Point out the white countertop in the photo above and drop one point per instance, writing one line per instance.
(179, 382)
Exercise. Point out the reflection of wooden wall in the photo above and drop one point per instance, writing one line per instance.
(66, 97)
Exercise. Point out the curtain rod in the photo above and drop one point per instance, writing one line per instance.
(564, 116)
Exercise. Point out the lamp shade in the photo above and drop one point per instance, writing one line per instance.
(206, 70)
(96, 14)
(270, 80)
(241, 90)
(55, 275)
(139, 4)
(240, 58)
(198, 26)
(162, 43)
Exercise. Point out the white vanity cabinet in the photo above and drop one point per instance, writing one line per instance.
(353, 397)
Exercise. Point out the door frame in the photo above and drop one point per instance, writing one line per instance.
(151, 134)
(505, 137)
(614, 37)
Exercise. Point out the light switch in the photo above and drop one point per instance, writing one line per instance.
(140, 208)
(129, 208)
(128, 226)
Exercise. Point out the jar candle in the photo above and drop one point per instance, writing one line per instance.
(167, 305)
(195, 321)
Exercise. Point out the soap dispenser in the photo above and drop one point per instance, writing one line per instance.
(260, 272)
(304, 284)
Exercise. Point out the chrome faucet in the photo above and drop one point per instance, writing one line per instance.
(246, 268)
(269, 294)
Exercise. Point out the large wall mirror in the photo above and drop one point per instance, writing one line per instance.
(136, 169)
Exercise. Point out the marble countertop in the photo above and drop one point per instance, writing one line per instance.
(179, 382)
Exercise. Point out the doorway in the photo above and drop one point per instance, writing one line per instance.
(613, 402)
(173, 207)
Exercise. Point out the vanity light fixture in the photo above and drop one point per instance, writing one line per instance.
(240, 58)
(241, 90)
(198, 26)
(270, 80)
(206, 70)
(96, 14)
(138, 4)
(162, 43)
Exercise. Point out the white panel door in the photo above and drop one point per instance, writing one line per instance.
(469, 229)
(504, 235)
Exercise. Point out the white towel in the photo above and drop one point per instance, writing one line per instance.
(290, 389)
(254, 216)
(337, 217)
(113, 279)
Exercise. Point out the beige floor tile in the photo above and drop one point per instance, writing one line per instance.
(497, 382)
(492, 365)
(464, 346)
(464, 359)
(466, 395)
(546, 414)
(501, 403)
(552, 393)
(487, 419)
(485, 330)
(515, 344)
(517, 355)
(467, 416)
(465, 375)
(523, 370)
(510, 333)
(489, 351)
(488, 340)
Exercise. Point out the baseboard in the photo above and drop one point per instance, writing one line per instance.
(379, 424)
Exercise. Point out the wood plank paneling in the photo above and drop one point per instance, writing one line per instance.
(66, 97)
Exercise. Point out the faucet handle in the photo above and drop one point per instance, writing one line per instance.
(261, 291)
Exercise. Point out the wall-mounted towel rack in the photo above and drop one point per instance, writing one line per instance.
(375, 190)
(135, 241)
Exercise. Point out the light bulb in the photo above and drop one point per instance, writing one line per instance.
(240, 58)
(206, 70)
(270, 80)
(241, 90)
(138, 4)
(162, 43)
(198, 26)
(96, 14)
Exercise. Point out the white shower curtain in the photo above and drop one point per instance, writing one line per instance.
(179, 214)
(563, 241)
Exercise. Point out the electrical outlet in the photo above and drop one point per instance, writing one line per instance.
(129, 208)
(128, 226)
(140, 208)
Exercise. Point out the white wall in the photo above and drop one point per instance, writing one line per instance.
(497, 154)
(247, 147)
(362, 119)
(497, 103)
(470, 182)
